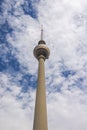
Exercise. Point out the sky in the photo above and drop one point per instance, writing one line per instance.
(65, 33)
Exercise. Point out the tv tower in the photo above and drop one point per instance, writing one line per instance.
(41, 52)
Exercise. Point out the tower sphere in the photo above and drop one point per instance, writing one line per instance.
(41, 50)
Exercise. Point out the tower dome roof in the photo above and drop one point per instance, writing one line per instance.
(41, 42)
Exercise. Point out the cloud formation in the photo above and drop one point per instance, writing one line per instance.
(65, 28)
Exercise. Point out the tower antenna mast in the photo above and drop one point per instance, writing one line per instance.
(41, 32)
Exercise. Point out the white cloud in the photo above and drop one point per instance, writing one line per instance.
(13, 112)
(65, 111)
(65, 28)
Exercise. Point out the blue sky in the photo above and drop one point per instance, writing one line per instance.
(65, 33)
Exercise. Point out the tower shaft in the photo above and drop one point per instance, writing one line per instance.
(40, 117)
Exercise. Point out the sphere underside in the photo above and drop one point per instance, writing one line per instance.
(41, 50)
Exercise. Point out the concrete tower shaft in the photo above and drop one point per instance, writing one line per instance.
(40, 115)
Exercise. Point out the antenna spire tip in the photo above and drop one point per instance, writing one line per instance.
(41, 32)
